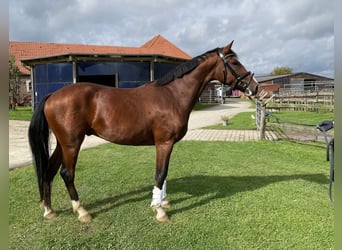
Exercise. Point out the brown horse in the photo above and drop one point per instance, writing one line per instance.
(156, 113)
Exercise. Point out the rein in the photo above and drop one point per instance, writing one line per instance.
(238, 79)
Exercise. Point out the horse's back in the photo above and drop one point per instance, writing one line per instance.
(77, 89)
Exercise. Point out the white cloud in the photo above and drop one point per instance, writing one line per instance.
(267, 33)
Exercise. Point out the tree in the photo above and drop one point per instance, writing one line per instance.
(14, 82)
(281, 71)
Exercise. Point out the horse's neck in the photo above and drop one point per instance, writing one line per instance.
(189, 88)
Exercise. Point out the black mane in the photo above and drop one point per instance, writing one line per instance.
(181, 69)
(178, 72)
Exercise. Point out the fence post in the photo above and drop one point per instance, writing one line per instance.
(262, 121)
(261, 114)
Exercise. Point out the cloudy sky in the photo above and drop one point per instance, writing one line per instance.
(267, 33)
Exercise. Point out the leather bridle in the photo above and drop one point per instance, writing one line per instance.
(239, 80)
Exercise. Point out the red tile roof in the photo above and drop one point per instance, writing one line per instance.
(164, 47)
(158, 45)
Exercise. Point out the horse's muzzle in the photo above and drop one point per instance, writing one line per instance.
(250, 87)
(248, 92)
(252, 90)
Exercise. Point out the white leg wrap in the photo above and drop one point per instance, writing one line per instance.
(158, 202)
(156, 197)
(76, 206)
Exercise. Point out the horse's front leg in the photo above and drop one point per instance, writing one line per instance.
(163, 152)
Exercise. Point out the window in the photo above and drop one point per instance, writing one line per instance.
(28, 84)
(50, 77)
(130, 74)
(59, 72)
(53, 73)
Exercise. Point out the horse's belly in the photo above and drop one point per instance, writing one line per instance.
(129, 137)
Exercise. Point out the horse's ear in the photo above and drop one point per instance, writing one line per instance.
(227, 48)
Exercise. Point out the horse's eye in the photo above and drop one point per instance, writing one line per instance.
(236, 63)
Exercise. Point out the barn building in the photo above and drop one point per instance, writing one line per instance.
(295, 82)
(46, 67)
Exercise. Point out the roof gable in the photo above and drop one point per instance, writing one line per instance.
(163, 46)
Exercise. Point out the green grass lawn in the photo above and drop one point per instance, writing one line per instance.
(244, 120)
(312, 118)
(237, 195)
(21, 113)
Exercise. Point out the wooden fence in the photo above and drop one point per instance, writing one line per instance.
(291, 130)
(312, 101)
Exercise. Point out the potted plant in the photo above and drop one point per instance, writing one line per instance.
(225, 120)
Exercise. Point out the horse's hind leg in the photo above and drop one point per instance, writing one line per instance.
(54, 164)
(67, 172)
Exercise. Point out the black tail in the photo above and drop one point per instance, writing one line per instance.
(38, 134)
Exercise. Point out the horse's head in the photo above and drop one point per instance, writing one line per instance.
(234, 73)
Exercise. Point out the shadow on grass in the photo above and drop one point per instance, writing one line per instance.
(204, 188)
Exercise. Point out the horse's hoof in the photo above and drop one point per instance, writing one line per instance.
(50, 215)
(166, 204)
(163, 218)
(161, 215)
(85, 218)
